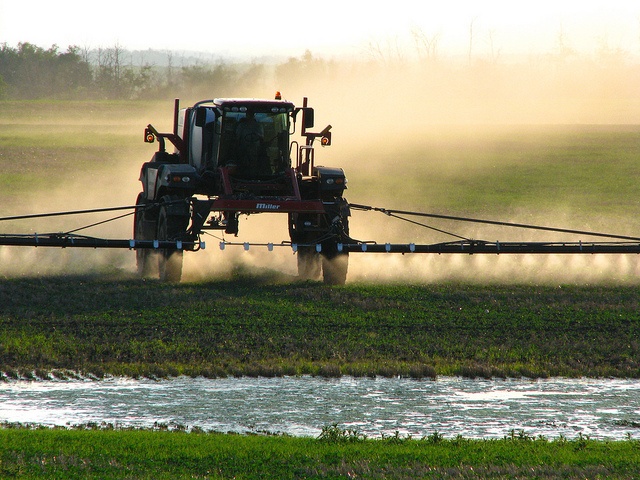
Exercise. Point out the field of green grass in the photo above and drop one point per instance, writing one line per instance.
(256, 325)
(336, 454)
(581, 177)
(260, 321)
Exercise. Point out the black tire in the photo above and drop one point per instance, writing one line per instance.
(332, 228)
(334, 262)
(309, 261)
(172, 228)
(144, 228)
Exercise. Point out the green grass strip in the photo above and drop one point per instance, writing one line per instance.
(44, 453)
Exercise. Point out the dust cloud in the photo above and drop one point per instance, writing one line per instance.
(82, 155)
(408, 135)
(412, 135)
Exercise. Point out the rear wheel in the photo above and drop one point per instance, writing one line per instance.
(171, 227)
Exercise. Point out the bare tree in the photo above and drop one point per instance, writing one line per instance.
(114, 78)
(427, 47)
(493, 53)
(170, 68)
(85, 53)
(609, 55)
(375, 50)
(473, 20)
(564, 49)
(391, 53)
(118, 52)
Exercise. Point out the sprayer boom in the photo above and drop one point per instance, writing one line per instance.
(234, 157)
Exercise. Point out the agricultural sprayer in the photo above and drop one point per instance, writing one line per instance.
(231, 157)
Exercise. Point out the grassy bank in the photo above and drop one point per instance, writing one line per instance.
(336, 454)
(258, 326)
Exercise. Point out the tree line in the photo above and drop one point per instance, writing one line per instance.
(31, 72)
(429, 82)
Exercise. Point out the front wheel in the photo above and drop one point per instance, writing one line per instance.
(144, 228)
(334, 262)
(309, 263)
(171, 228)
(328, 229)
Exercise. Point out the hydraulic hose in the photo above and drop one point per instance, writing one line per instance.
(391, 212)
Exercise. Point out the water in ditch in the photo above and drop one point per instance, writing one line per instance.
(301, 406)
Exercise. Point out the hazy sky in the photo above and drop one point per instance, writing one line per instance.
(329, 27)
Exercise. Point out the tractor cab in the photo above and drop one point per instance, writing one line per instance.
(249, 137)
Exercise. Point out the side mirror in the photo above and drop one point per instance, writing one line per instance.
(307, 117)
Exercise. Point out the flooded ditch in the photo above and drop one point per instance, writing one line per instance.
(301, 406)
